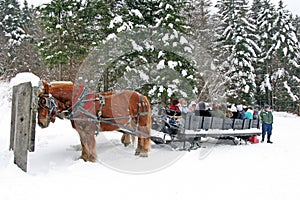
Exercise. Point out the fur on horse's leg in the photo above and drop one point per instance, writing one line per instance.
(139, 147)
(125, 139)
(88, 144)
(144, 145)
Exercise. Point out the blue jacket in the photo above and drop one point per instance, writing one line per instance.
(248, 115)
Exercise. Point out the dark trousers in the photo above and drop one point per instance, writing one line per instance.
(266, 128)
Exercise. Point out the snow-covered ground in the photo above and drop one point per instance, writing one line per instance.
(219, 171)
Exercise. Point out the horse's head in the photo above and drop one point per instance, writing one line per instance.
(46, 106)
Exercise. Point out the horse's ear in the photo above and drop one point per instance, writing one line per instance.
(46, 87)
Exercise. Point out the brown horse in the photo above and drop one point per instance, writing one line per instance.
(90, 112)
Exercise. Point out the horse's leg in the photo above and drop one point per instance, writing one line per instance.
(125, 139)
(88, 144)
(144, 143)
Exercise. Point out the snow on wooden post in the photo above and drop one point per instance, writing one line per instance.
(22, 123)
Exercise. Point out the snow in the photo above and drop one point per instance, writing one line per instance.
(117, 20)
(160, 65)
(137, 13)
(111, 36)
(219, 171)
(172, 64)
(288, 88)
(25, 77)
(135, 46)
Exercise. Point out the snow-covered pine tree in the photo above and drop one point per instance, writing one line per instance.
(30, 59)
(14, 37)
(59, 48)
(285, 62)
(94, 18)
(279, 59)
(263, 12)
(149, 62)
(239, 42)
(10, 21)
(71, 28)
(203, 29)
(296, 23)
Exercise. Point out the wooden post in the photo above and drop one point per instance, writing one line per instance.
(13, 120)
(22, 125)
(33, 109)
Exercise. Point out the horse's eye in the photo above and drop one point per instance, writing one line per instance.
(42, 102)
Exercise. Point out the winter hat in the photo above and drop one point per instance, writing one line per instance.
(266, 106)
(202, 106)
(193, 103)
(175, 102)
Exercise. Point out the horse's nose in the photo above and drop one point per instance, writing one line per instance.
(41, 124)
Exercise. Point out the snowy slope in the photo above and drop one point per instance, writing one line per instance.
(221, 171)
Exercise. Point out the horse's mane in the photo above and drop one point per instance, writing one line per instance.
(109, 93)
(61, 86)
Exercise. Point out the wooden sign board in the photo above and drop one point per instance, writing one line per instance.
(23, 120)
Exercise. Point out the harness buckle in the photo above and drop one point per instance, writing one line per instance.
(101, 100)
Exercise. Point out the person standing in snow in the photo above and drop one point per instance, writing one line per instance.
(267, 123)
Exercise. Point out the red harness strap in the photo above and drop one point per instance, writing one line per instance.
(90, 96)
(77, 95)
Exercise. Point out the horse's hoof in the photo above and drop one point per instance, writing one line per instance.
(143, 154)
(92, 160)
(126, 144)
(88, 159)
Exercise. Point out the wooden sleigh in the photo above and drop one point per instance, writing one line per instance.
(193, 128)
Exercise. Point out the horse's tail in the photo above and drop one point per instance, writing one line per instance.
(145, 113)
(149, 119)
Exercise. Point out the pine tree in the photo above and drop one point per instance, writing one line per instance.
(279, 58)
(238, 41)
(285, 61)
(10, 22)
(58, 48)
(14, 37)
(263, 13)
(72, 28)
(151, 59)
(203, 26)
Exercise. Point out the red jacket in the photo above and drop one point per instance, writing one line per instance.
(173, 107)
